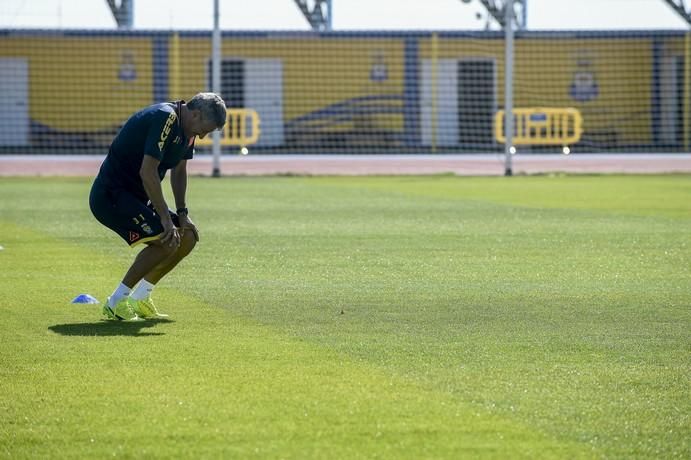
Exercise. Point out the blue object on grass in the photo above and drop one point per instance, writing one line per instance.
(85, 298)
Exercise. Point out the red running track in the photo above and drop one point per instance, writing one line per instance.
(462, 165)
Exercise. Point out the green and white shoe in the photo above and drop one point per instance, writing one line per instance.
(146, 309)
(123, 311)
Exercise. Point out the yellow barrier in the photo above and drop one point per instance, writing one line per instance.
(235, 131)
(687, 92)
(538, 126)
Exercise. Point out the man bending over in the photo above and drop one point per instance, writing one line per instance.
(127, 196)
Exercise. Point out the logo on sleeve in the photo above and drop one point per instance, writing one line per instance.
(134, 236)
(166, 130)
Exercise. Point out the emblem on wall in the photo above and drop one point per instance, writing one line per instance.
(127, 70)
(379, 70)
(584, 86)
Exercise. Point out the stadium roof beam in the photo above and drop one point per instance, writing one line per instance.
(319, 16)
(122, 13)
(496, 9)
(680, 7)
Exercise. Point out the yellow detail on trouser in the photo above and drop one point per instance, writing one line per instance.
(181, 231)
(144, 240)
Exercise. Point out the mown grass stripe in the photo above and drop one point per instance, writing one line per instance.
(207, 383)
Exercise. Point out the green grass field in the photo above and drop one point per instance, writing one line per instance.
(398, 317)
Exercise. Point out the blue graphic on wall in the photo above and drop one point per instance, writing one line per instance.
(584, 86)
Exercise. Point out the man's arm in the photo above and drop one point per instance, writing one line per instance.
(178, 182)
(152, 185)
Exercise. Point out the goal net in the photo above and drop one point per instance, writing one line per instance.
(69, 91)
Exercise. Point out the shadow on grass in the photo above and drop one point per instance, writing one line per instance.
(109, 328)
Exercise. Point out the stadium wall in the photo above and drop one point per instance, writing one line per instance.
(359, 92)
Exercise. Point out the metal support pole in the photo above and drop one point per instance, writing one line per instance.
(216, 86)
(174, 87)
(435, 91)
(129, 13)
(524, 14)
(329, 19)
(123, 13)
(687, 93)
(508, 85)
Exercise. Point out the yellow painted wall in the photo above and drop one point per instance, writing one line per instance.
(73, 81)
(470, 48)
(622, 69)
(316, 73)
(674, 46)
(192, 61)
(74, 84)
(544, 71)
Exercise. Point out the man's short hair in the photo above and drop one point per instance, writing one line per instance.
(211, 107)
